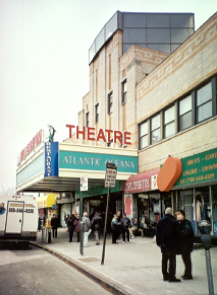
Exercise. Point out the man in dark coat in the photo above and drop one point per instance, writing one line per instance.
(187, 236)
(97, 226)
(125, 224)
(54, 224)
(168, 238)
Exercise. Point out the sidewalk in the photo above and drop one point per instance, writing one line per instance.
(131, 268)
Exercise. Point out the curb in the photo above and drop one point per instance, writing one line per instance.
(106, 283)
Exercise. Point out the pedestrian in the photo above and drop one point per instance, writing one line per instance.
(87, 226)
(187, 236)
(125, 223)
(168, 239)
(119, 215)
(134, 227)
(76, 227)
(70, 226)
(115, 229)
(97, 226)
(54, 224)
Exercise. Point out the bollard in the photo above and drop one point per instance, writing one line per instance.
(49, 236)
(205, 227)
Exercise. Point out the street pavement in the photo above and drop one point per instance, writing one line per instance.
(131, 268)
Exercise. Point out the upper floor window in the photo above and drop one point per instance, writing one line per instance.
(110, 102)
(155, 129)
(87, 119)
(169, 122)
(97, 113)
(185, 113)
(124, 91)
(143, 135)
(204, 102)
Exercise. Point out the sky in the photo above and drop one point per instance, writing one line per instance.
(44, 70)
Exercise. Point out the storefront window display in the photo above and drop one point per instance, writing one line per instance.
(214, 209)
(196, 208)
(149, 209)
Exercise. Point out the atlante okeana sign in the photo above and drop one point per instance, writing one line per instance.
(94, 161)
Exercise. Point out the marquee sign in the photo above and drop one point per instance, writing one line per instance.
(37, 139)
(96, 162)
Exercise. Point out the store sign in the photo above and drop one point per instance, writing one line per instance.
(51, 150)
(96, 161)
(198, 168)
(106, 135)
(145, 181)
(110, 175)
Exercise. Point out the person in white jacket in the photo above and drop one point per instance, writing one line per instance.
(87, 226)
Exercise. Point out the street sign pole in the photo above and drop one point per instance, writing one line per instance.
(83, 187)
(105, 228)
(81, 229)
(110, 181)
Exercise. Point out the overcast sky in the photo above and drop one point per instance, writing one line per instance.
(44, 70)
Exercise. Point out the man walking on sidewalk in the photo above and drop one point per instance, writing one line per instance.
(168, 238)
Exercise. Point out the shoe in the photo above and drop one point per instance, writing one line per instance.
(115, 243)
(165, 279)
(174, 280)
(97, 243)
(184, 277)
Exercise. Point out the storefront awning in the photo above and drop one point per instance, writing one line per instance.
(46, 201)
(145, 181)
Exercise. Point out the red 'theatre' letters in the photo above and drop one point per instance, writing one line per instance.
(106, 136)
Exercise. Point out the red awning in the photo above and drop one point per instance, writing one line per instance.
(142, 182)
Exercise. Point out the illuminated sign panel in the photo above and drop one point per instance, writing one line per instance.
(199, 168)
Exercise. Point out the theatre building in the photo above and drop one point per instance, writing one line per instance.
(152, 96)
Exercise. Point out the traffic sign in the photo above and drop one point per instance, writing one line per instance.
(110, 176)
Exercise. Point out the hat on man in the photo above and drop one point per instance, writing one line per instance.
(168, 211)
(181, 211)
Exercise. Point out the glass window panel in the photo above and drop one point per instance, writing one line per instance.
(204, 112)
(126, 47)
(155, 122)
(100, 40)
(180, 20)
(180, 35)
(169, 115)
(158, 35)
(174, 47)
(204, 94)
(155, 136)
(169, 129)
(143, 129)
(158, 20)
(185, 105)
(111, 26)
(160, 47)
(143, 141)
(134, 35)
(92, 52)
(134, 20)
(185, 121)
